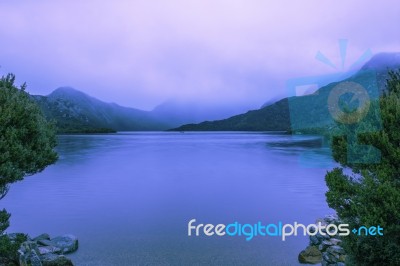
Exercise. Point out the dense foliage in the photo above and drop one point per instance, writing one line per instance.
(26, 138)
(27, 144)
(9, 248)
(370, 194)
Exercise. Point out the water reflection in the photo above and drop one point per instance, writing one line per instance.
(129, 196)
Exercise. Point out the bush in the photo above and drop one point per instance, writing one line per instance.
(27, 144)
(9, 248)
(370, 196)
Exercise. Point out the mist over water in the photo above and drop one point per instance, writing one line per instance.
(129, 196)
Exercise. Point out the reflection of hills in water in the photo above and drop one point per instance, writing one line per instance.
(312, 152)
(301, 143)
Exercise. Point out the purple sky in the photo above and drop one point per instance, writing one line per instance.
(141, 53)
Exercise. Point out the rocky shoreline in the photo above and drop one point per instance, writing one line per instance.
(46, 251)
(324, 249)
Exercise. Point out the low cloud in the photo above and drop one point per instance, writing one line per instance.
(140, 53)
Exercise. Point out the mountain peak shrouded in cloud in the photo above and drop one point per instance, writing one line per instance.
(67, 93)
(140, 53)
(276, 116)
(66, 90)
(382, 61)
(76, 111)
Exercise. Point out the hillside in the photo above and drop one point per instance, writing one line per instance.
(304, 113)
(274, 117)
(74, 111)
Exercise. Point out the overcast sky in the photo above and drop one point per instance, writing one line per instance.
(141, 53)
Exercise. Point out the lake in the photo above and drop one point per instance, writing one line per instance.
(129, 196)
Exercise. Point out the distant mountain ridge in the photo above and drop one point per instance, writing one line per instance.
(308, 111)
(75, 111)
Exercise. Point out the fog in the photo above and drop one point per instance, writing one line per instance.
(143, 53)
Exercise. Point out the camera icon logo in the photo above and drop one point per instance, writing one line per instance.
(347, 108)
(359, 93)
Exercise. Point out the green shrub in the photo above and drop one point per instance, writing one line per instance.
(370, 196)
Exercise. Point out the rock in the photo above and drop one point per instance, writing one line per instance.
(34, 259)
(332, 218)
(312, 229)
(22, 259)
(324, 263)
(314, 241)
(335, 241)
(310, 255)
(41, 237)
(30, 258)
(329, 258)
(322, 221)
(28, 254)
(66, 243)
(28, 246)
(329, 247)
(42, 251)
(322, 237)
(324, 245)
(55, 260)
(45, 242)
(48, 249)
(335, 250)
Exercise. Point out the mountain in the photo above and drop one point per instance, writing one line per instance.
(274, 117)
(75, 111)
(271, 101)
(382, 61)
(305, 113)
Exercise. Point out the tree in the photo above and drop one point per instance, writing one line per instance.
(370, 194)
(27, 140)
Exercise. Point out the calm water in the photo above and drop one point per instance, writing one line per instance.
(129, 197)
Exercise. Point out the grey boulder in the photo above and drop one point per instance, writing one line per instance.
(66, 243)
(55, 260)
